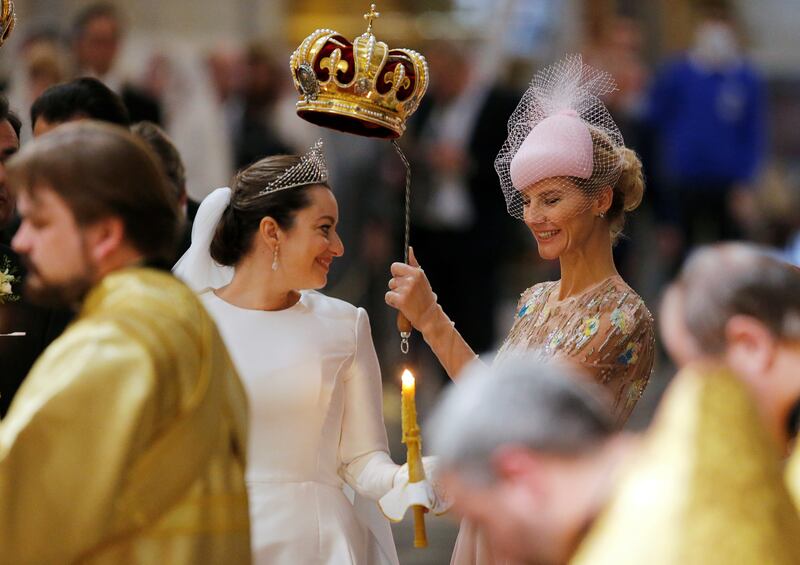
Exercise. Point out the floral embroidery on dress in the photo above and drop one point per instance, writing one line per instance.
(554, 340)
(544, 315)
(8, 277)
(532, 299)
(622, 320)
(588, 329)
(630, 355)
(607, 330)
(635, 393)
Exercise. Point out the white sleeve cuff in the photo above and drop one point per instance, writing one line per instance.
(371, 475)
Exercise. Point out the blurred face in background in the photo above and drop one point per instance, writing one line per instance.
(716, 43)
(9, 144)
(262, 80)
(45, 66)
(449, 70)
(226, 68)
(97, 46)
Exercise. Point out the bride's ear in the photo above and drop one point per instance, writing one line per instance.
(268, 231)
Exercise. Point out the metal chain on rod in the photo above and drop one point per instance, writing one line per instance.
(407, 239)
(403, 325)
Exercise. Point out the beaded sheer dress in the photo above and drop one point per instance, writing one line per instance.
(606, 330)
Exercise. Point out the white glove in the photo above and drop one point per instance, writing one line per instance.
(427, 493)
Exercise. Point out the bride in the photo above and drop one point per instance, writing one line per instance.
(307, 361)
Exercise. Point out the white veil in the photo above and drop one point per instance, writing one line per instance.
(196, 268)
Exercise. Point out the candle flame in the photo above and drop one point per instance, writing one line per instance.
(408, 379)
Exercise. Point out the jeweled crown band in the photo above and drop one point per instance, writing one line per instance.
(361, 87)
(312, 169)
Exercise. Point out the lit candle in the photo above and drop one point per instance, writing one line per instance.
(413, 441)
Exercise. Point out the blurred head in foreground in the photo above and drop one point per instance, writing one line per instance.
(92, 199)
(527, 450)
(738, 304)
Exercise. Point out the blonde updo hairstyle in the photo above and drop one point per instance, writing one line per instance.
(626, 180)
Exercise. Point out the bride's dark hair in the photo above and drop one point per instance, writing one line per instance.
(239, 223)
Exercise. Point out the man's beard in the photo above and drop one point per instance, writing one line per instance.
(67, 293)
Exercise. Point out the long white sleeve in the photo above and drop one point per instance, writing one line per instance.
(364, 448)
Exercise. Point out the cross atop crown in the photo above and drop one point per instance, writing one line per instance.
(370, 17)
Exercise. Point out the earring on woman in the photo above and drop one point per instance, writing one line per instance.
(275, 259)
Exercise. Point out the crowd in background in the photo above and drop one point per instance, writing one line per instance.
(699, 120)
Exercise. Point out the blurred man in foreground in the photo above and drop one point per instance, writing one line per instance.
(739, 305)
(708, 485)
(530, 456)
(126, 442)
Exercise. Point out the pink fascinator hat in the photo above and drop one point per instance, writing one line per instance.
(551, 133)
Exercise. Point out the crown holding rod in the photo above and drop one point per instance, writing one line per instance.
(361, 87)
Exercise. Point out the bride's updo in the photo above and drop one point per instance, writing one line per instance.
(241, 219)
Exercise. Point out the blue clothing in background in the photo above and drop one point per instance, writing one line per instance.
(710, 123)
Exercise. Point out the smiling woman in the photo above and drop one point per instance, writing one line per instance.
(295, 230)
(564, 205)
(566, 173)
(259, 253)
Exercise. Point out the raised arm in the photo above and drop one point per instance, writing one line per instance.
(411, 293)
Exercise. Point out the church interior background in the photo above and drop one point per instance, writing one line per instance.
(505, 41)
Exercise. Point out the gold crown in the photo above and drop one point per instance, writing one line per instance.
(361, 87)
(7, 20)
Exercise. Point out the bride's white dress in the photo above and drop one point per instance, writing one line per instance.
(314, 386)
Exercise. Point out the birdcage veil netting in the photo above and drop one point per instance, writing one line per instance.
(563, 146)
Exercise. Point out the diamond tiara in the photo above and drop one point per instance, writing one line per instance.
(312, 169)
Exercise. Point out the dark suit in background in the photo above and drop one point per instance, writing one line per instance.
(186, 237)
(141, 106)
(35, 327)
